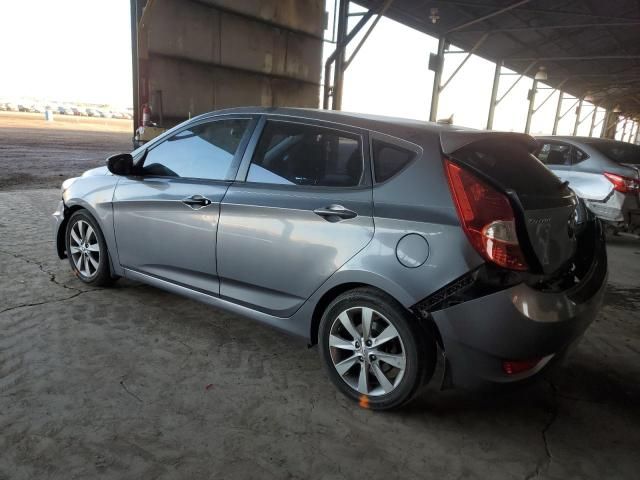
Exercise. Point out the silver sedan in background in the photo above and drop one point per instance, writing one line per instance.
(604, 173)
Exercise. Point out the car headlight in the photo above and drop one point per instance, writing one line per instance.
(67, 183)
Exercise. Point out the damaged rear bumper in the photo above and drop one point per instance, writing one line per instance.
(521, 324)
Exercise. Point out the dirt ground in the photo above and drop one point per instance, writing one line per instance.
(39, 154)
(131, 382)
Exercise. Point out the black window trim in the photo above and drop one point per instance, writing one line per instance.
(397, 142)
(572, 147)
(237, 158)
(247, 160)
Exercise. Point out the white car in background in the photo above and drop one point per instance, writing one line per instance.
(604, 173)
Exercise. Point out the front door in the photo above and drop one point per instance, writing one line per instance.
(166, 218)
(304, 210)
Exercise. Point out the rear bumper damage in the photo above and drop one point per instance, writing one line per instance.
(484, 336)
(619, 208)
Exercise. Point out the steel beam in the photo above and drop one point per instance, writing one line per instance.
(437, 78)
(532, 100)
(338, 72)
(382, 11)
(494, 94)
(577, 122)
(558, 27)
(593, 121)
(488, 16)
(330, 91)
(526, 70)
(637, 132)
(581, 58)
(556, 119)
(477, 45)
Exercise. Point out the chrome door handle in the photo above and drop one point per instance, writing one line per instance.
(196, 201)
(335, 211)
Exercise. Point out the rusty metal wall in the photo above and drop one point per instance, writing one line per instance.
(198, 56)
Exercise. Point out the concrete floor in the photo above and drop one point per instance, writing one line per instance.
(132, 382)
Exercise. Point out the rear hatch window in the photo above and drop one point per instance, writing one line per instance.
(619, 152)
(545, 204)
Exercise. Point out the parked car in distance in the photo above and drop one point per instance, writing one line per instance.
(91, 112)
(604, 173)
(65, 110)
(384, 241)
(11, 107)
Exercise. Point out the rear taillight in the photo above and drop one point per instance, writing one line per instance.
(623, 184)
(487, 218)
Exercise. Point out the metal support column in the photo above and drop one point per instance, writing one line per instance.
(593, 121)
(494, 94)
(624, 129)
(635, 140)
(437, 78)
(338, 71)
(556, 119)
(532, 100)
(577, 122)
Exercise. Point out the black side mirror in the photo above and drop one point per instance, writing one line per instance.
(120, 164)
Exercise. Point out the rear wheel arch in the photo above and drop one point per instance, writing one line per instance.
(337, 290)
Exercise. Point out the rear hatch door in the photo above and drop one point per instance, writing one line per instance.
(545, 207)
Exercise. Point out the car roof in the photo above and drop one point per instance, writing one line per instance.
(450, 137)
(383, 124)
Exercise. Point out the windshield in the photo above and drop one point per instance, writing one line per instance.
(619, 152)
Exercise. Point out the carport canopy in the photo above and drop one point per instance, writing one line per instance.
(588, 48)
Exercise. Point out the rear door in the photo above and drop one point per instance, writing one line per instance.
(166, 218)
(546, 205)
(300, 209)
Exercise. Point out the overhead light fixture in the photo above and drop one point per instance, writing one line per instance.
(541, 74)
(617, 109)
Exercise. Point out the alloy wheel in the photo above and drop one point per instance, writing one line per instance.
(84, 248)
(367, 351)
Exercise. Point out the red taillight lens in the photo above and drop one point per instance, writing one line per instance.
(623, 184)
(513, 367)
(487, 218)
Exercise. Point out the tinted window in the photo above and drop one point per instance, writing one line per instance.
(579, 155)
(511, 165)
(389, 159)
(619, 152)
(291, 154)
(202, 151)
(554, 154)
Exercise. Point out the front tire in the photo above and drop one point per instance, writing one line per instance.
(373, 349)
(87, 250)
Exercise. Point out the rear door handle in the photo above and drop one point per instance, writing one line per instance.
(335, 211)
(196, 201)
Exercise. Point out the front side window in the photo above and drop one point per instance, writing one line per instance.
(203, 151)
(554, 154)
(294, 154)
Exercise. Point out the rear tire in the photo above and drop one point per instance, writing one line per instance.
(87, 250)
(374, 350)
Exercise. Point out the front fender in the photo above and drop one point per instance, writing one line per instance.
(95, 194)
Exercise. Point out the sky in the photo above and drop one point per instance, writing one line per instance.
(79, 50)
(66, 50)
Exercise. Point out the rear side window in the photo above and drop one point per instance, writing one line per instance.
(555, 154)
(389, 159)
(296, 154)
(203, 151)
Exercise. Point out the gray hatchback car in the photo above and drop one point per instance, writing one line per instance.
(385, 241)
